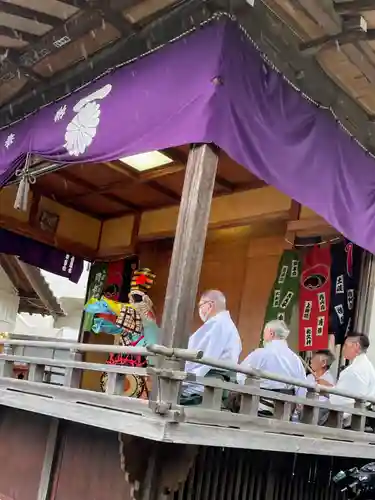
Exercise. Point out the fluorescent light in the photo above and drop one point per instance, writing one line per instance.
(147, 161)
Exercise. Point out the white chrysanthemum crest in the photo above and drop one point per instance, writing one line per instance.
(82, 129)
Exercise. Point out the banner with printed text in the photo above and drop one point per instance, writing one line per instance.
(284, 294)
(345, 273)
(314, 299)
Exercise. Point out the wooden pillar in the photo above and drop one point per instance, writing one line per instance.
(189, 244)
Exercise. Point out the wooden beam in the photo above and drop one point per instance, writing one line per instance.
(56, 241)
(354, 29)
(73, 29)
(349, 7)
(18, 35)
(28, 13)
(92, 190)
(38, 191)
(189, 245)
(117, 20)
(164, 190)
(46, 475)
(312, 225)
(227, 186)
(34, 208)
(294, 215)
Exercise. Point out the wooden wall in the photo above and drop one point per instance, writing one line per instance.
(23, 438)
(89, 466)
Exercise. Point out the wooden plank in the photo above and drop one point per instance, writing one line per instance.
(79, 396)
(128, 423)
(189, 245)
(27, 13)
(310, 224)
(294, 215)
(45, 476)
(77, 346)
(206, 418)
(348, 7)
(66, 363)
(275, 396)
(255, 440)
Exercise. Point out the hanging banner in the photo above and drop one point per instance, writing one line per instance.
(95, 286)
(118, 279)
(284, 293)
(345, 273)
(111, 280)
(314, 299)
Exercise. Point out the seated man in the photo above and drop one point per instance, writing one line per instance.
(218, 338)
(359, 376)
(321, 362)
(275, 357)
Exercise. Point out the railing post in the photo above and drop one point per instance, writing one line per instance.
(310, 414)
(36, 373)
(72, 376)
(212, 398)
(115, 384)
(249, 404)
(165, 390)
(6, 367)
(359, 421)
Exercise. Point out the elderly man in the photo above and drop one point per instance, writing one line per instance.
(359, 376)
(321, 362)
(218, 338)
(275, 357)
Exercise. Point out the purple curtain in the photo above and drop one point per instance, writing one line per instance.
(210, 86)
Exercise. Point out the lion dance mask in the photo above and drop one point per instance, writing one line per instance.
(133, 324)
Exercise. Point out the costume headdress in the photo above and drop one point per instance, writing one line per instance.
(142, 280)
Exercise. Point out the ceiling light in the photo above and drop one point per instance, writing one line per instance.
(147, 161)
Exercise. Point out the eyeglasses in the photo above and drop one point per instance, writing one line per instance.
(204, 303)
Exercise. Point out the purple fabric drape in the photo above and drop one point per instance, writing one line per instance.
(211, 86)
(40, 255)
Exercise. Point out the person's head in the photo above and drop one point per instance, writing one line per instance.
(321, 361)
(211, 303)
(275, 330)
(355, 344)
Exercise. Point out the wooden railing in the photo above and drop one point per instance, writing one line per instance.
(196, 424)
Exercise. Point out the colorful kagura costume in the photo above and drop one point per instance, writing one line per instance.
(133, 324)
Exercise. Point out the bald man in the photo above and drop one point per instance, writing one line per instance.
(218, 338)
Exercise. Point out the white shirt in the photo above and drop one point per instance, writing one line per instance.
(218, 338)
(357, 378)
(277, 358)
(327, 376)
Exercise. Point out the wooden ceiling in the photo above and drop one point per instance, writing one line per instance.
(112, 189)
(50, 47)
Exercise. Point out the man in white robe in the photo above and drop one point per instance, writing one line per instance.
(218, 338)
(275, 357)
(321, 362)
(359, 376)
